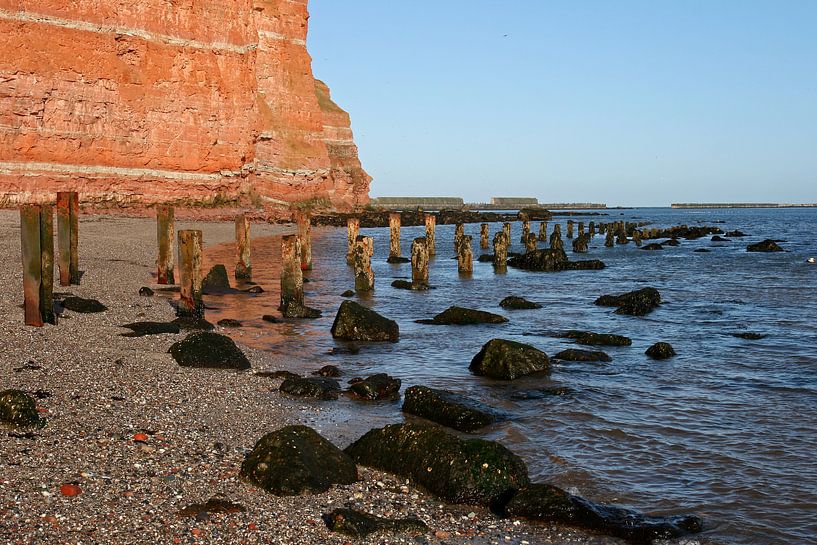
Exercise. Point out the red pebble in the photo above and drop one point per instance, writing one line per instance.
(142, 437)
(70, 490)
(252, 526)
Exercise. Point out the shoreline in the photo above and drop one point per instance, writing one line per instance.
(97, 389)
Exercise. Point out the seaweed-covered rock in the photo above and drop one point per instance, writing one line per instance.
(541, 393)
(576, 354)
(508, 360)
(513, 302)
(328, 371)
(486, 258)
(394, 260)
(19, 410)
(83, 306)
(354, 322)
(580, 244)
(377, 386)
(737, 233)
(765, 246)
(141, 329)
(471, 471)
(296, 460)
(547, 260)
(718, 238)
(145, 291)
(362, 525)
(216, 281)
(671, 242)
(635, 303)
(464, 316)
(229, 322)
(597, 339)
(323, 388)
(652, 246)
(208, 349)
(660, 351)
(553, 505)
(749, 335)
(449, 409)
(348, 293)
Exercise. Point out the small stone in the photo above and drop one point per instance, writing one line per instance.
(145, 291)
(140, 437)
(270, 318)
(660, 351)
(70, 490)
(229, 322)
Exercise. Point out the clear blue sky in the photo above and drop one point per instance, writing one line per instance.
(623, 102)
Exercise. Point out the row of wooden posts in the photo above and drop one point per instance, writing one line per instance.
(36, 222)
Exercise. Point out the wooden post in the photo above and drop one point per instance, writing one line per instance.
(68, 236)
(394, 231)
(305, 235)
(431, 227)
(525, 231)
(484, 235)
(543, 231)
(419, 264)
(569, 228)
(292, 280)
(581, 228)
(465, 256)
(530, 242)
(459, 232)
(501, 241)
(556, 238)
(191, 304)
(37, 245)
(165, 234)
(362, 256)
(507, 228)
(608, 238)
(637, 237)
(592, 229)
(353, 230)
(243, 267)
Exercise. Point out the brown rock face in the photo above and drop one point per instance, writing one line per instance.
(147, 101)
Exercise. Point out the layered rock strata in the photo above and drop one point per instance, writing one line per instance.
(169, 101)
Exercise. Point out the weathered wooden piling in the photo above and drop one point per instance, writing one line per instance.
(419, 264)
(431, 233)
(622, 234)
(459, 232)
(37, 245)
(609, 240)
(292, 280)
(68, 236)
(525, 231)
(501, 242)
(305, 235)
(580, 244)
(362, 261)
(165, 236)
(507, 228)
(592, 229)
(465, 255)
(581, 228)
(243, 267)
(530, 242)
(637, 237)
(353, 230)
(394, 232)
(484, 235)
(569, 228)
(543, 231)
(190, 245)
(556, 238)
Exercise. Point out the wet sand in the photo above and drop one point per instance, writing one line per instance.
(98, 389)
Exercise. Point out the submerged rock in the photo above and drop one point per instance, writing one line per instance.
(208, 349)
(507, 360)
(464, 316)
(145, 291)
(671, 242)
(297, 460)
(354, 322)
(660, 351)
(229, 322)
(328, 371)
(323, 388)
(449, 409)
(635, 303)
(718, 238)
(395, 259)
(216, 281)
(348, 293)
(737, 233)
(486, 258)
(551, 260)
(550, 504)
(141, 329)
(378, 386)
(83, 306)
(765, 246)
(576, 354)
(749, 335)
(702, 250)
(361, 525)
(518, 303)
(19, 410)
(541, 393)
(408, 285)
(652, 246)
(597, 339)
(470, 471)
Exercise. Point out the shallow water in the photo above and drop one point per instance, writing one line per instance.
(726, 429)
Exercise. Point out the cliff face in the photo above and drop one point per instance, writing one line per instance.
(168, 100)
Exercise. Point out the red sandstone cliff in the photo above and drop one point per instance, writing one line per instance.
(143, 101)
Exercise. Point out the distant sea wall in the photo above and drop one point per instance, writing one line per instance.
(496, 203)
(742, 205)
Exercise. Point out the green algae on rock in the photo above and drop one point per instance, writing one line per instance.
(507, 360)
(354, 322)
(19, 410)
(361, 525)
(449, 409)
(208, 349)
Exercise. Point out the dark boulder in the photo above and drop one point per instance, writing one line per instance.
(354, 322)
(508, 360)
(229, 322)
(737, 233)
(660, 351)
(671, 242)
(553, 505)
(208, 349)
(395, 259)
(360, 525)
(296, 460)
(464, 316)
(749, 335)
(702, 250)
(652, 246)
(598, 339)
(470, 471)
(580, 244)
(541, 393)
(486, 258)
(378, 386)
(518, 303)
(19, 410)
(635, 303)
(718, 238)
(270, 318)
(576, 354)
(83, 306)
(323, 388)
(328, 371)
(765, 246)
(402, 284)
(278, 373)
(449, 409)
(141, 329)
(348, 293)
(145, 291)
(216, 281)
(547, 260)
